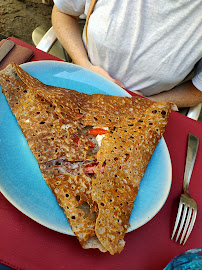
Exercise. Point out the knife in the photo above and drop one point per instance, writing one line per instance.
(6, 48)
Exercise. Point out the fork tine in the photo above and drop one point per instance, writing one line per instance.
(177, 219)
(186, 224)
(182, 221)
(191, 225)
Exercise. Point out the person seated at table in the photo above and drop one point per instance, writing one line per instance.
(141, 45)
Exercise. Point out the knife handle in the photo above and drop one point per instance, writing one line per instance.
(6, 48)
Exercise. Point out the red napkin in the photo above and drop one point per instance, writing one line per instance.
(18, 55)
(25, 244)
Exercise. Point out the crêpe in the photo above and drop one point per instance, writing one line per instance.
(94, 183)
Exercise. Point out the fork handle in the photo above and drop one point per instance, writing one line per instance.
(192, 148)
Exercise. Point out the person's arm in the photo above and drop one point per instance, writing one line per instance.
(184, 95)
(68, 33)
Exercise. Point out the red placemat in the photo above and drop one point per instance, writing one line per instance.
(18, 54)
(38, 54)
(25, 244)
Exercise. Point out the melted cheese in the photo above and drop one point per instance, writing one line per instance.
(100, 137)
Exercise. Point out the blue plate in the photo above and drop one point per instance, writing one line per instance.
(21, 181)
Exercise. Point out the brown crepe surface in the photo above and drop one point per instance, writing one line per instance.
(50, 139)
(96, 109)
(54, 121)
(125, 154)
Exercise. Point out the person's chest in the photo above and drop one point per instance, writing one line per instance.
(160, 41)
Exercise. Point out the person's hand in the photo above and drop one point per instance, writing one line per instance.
(104, 73)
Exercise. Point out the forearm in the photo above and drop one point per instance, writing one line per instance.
(184, 95)
(68, 33)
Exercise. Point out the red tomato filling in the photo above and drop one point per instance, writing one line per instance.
(97, 131)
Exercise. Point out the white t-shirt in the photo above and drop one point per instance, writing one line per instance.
(149, 45)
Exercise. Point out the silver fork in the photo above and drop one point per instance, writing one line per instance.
(187, 209)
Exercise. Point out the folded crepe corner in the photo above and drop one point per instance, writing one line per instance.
(55, 122)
